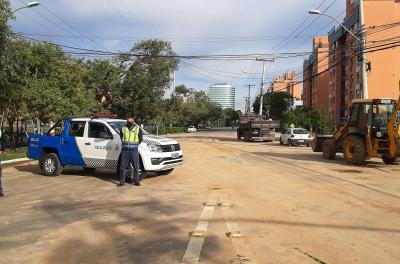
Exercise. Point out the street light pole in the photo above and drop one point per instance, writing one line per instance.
(360, 40)
(28, 5)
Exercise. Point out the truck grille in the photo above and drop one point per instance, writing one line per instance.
(170, 148)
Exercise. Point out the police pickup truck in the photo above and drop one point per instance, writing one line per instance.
(93, 143)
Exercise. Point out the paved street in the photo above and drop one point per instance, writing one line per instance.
(290, 205)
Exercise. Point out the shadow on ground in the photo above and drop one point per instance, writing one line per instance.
(317, 157)
(107, 175)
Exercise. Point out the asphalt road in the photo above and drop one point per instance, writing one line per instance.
(284, 205)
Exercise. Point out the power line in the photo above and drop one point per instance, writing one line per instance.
(81, 34)
(297, 28)
(312, 22)
(122, 16)
(126, 38)
(57, 25)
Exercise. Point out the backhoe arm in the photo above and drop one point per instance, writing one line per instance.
(394, 130)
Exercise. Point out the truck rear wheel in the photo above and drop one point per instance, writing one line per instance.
(246, 136)
(239, 136)
(50, 165)
(329, 149)
(355, 150)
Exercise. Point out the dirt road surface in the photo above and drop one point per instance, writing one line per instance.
(289, 204)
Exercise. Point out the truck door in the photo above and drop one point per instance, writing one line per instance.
(73, 143)
(100, 147)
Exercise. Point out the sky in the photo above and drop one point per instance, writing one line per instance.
(202, 27)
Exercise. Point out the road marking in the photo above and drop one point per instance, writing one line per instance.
(243, 252)
(193, 251)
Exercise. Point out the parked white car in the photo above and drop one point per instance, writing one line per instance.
(191, 129)
(295, 137)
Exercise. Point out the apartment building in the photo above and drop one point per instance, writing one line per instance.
(381, 29)
(288, 82)
(316, 77)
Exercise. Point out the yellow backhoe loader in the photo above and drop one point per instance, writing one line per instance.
(372, 130)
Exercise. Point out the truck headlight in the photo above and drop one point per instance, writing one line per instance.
(154, 148)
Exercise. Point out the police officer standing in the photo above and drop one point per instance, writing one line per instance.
(2, 148)
(131, 137)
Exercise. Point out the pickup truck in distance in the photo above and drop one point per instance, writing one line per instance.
(256, 128)
(93, 143)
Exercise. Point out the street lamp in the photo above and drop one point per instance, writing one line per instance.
(28, 5)
(319, 12)
(361, 41)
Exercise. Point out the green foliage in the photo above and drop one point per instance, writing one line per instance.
(103, 78)
(39, 82)
(5, 15)
(309, 119)
(274, 103)
(11, 155)
(230, 116)
(146, 77)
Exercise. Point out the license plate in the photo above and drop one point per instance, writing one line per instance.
(301, 141)
(175, 155)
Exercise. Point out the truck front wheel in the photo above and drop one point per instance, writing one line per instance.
(50, 165)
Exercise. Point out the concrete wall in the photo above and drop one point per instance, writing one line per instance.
(384, 78)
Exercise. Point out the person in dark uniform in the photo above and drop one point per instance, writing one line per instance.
(2, 148)
(131, 137)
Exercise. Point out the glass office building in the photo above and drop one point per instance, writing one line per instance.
(223, 94)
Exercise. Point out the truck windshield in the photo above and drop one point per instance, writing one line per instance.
(117, 125)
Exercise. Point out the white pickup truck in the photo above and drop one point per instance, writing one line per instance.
(95, 143)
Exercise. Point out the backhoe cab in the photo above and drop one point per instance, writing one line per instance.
(372, 130)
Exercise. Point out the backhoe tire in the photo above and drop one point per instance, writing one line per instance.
(389, 160)
(355, 150)
(329, 149)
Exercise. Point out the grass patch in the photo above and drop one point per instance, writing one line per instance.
(10, 155)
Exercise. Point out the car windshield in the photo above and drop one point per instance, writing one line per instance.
(118, 125)
(300, 131)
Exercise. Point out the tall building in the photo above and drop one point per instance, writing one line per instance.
(288, 82)
(315, 87)
(345, 61)
(223, 94)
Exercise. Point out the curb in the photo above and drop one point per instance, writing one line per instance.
(6, 162)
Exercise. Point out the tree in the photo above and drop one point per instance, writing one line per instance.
(103, 78)
(5, 15)
(307, 118)
(147, 74)
(230, 116)
(274, 103)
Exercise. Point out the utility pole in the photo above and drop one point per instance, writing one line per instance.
(248, 99)
(173, 81)
(264, 60)
(363, 54)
